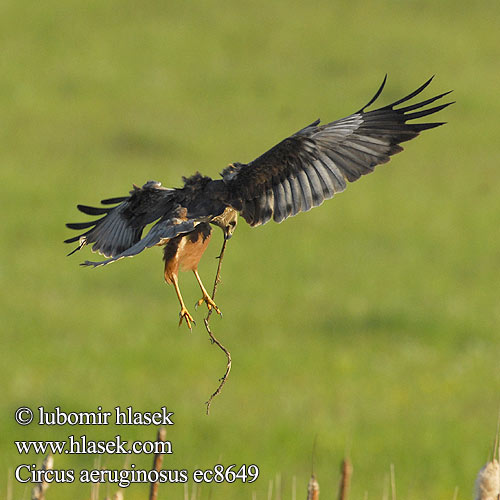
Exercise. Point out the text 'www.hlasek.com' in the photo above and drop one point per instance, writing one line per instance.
(81, 444)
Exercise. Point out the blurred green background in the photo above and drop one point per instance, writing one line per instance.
(369, 324)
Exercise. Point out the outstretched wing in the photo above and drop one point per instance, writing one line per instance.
(165, 229)
(122, 225)
(118, 234)
(316, 162)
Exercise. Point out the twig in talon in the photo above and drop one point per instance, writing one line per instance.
(228, 367)
(213, 340)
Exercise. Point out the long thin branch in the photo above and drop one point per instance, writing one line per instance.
(212, 336)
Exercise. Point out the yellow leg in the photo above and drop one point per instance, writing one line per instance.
(184, 313)
(206, 297)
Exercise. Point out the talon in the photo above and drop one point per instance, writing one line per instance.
(184, 315)
(209, 302)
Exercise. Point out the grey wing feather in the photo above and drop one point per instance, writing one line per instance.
(316, 162)
(122, 225)
(162, 230)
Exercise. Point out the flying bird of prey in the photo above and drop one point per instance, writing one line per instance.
(294, 176)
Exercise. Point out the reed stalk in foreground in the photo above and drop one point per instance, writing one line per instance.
(38, 491)
(313, 488)
(488, 479)
(488, 482)
(345, 479)
(157, 463)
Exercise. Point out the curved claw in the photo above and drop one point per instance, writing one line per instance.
(184, 315)
(209, 302)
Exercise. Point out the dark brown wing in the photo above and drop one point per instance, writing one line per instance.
(316, 162)
(119, 233)
(122, 225)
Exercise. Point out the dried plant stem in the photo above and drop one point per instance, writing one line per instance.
(157, 463)
(345, 479)
(194, 492)
(313, 488)
(38, 491)
(496, 445)
(212, 336)
(9, 484)
(385, 491)
(270, 490)
(393, 482)
(278, 486)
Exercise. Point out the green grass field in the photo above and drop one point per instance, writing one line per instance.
(369, 324)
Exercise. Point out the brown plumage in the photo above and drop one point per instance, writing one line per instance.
(185, 251)
(294, 176)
